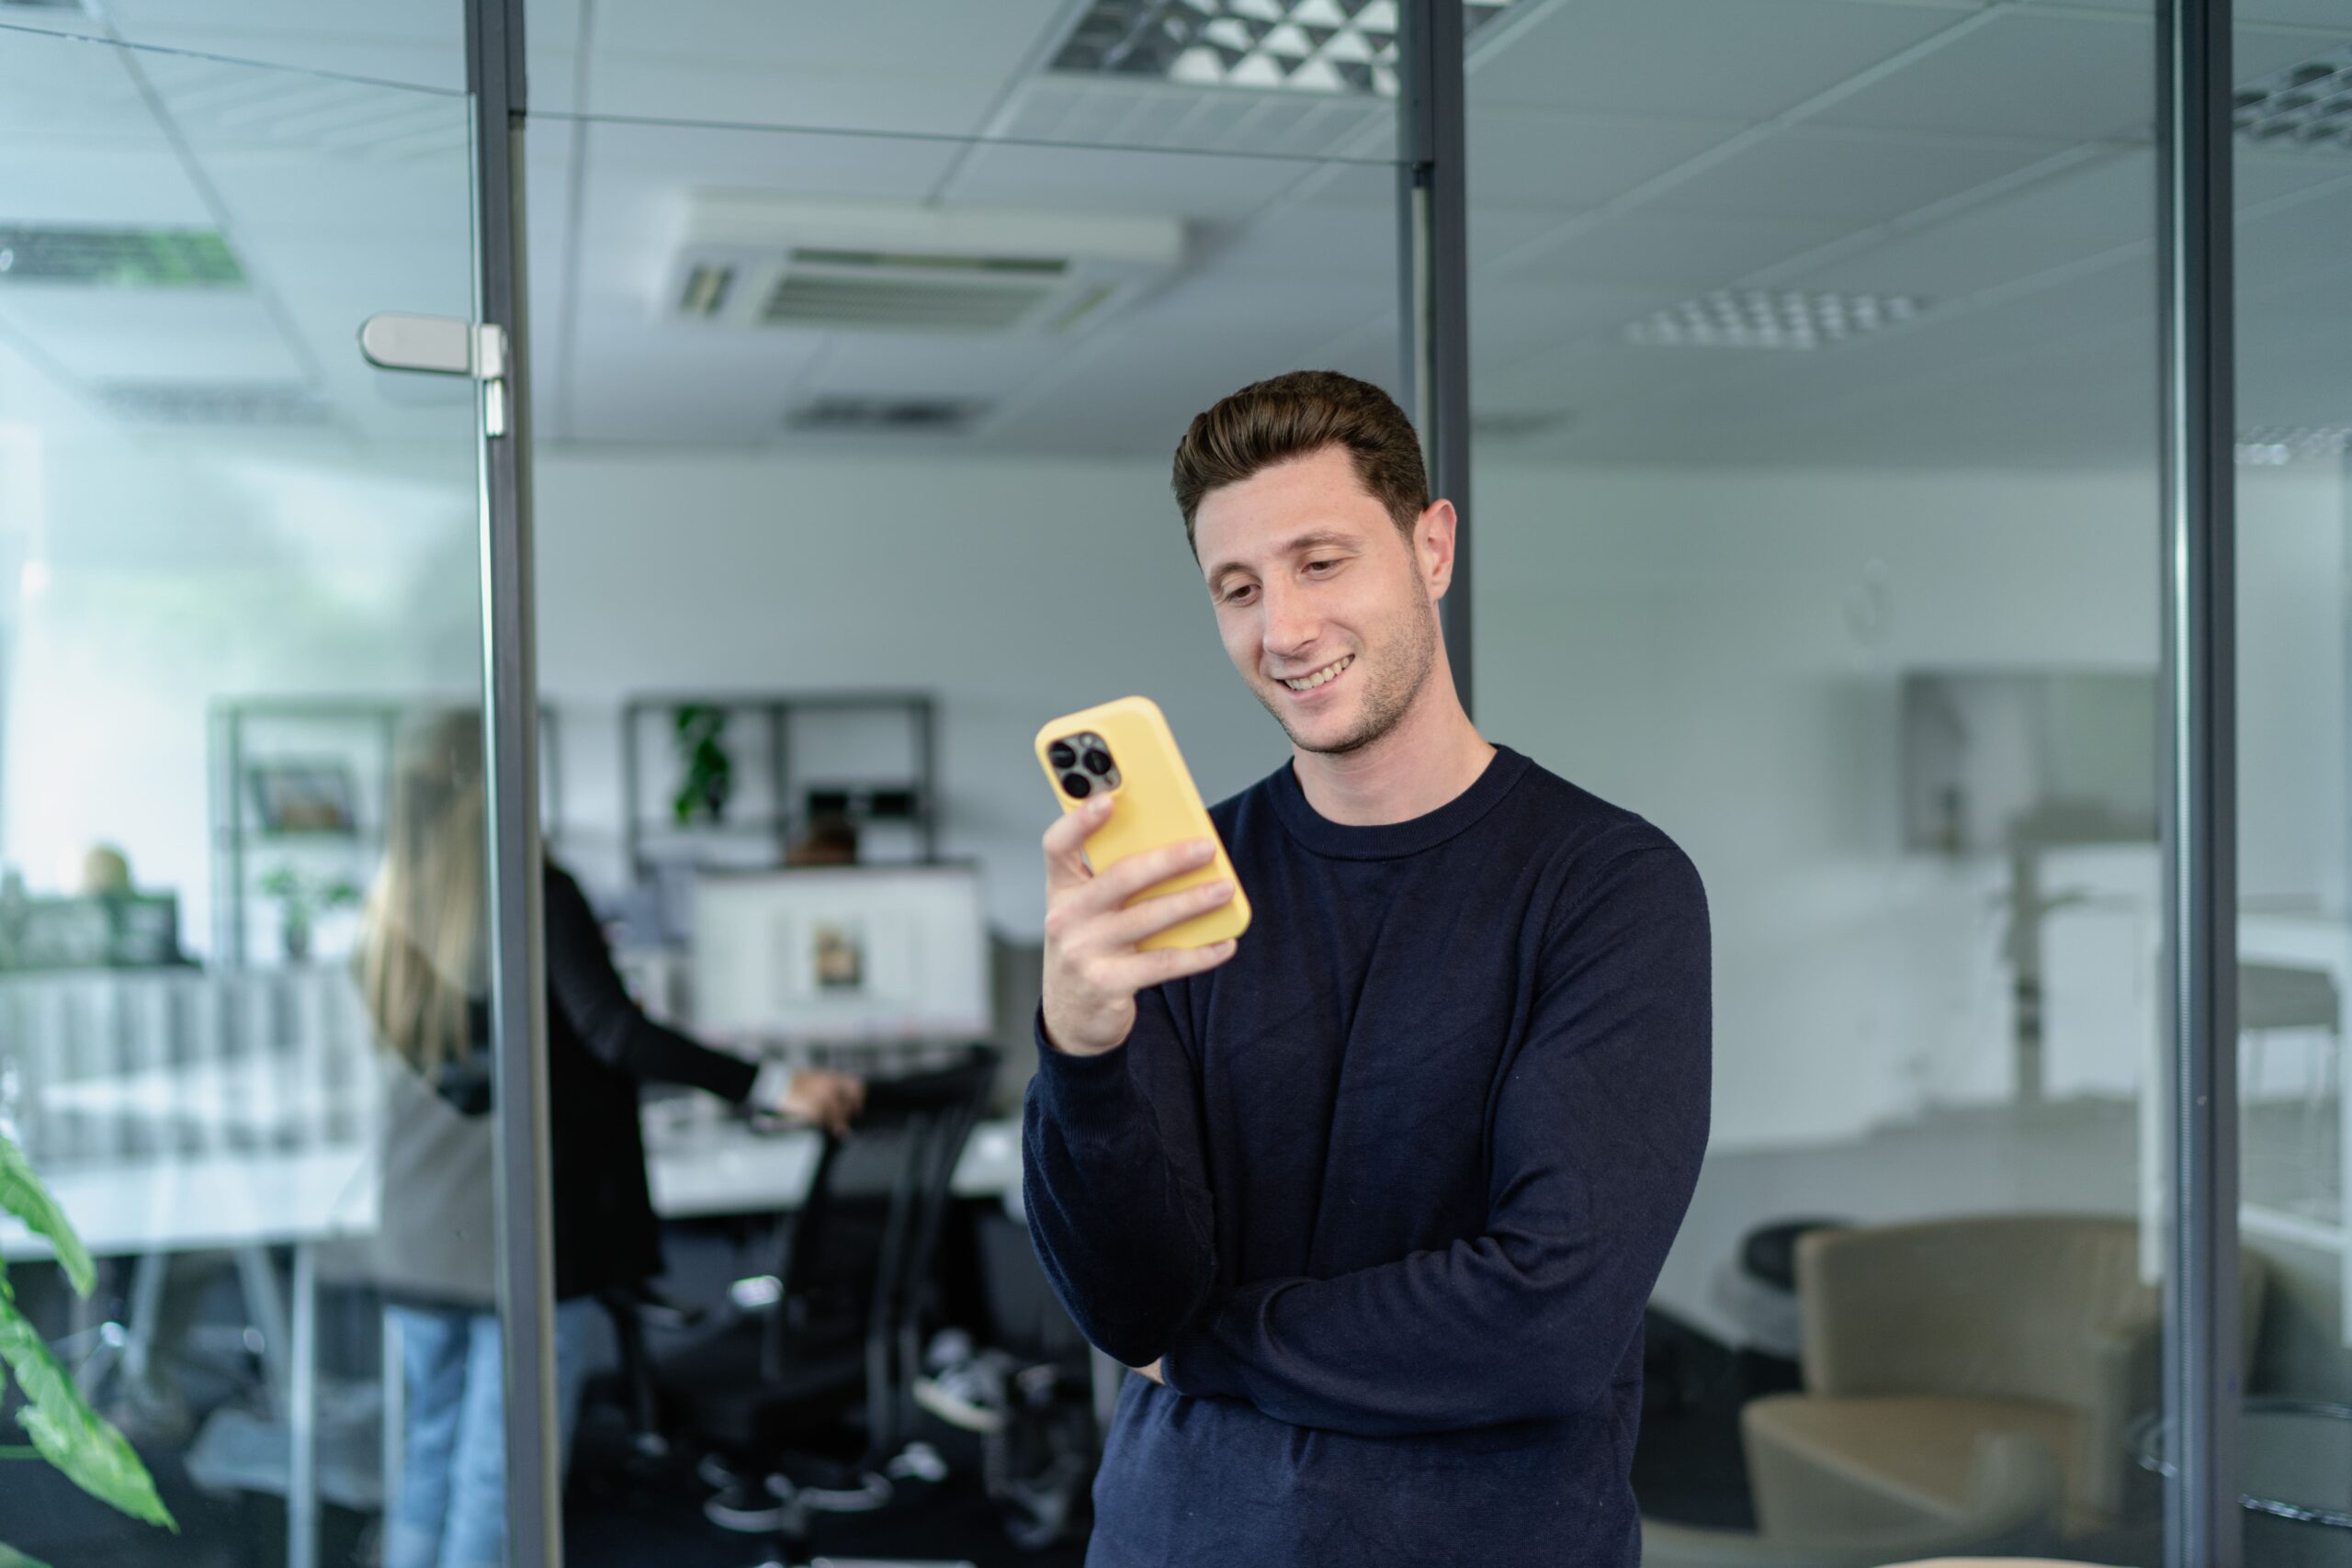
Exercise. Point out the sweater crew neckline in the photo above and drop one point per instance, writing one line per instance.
(1390, 841)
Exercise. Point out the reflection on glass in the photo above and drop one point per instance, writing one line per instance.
(1814, 355)
(2294, 410)
(229, 552)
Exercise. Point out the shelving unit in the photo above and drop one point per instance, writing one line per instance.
(773, 778)
(357, 737)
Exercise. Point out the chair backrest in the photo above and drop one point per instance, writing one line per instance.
(2016, 1493)
(1999, 1306)
(858, 1252)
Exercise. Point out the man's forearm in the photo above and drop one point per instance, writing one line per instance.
(1123, 1238)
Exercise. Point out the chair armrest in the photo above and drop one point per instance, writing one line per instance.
(644, 1305)
(2119, 1382)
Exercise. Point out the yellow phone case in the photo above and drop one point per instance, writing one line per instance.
(1158, 804)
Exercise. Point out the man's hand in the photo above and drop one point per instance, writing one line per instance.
(1152, 1372)
(1092, 967)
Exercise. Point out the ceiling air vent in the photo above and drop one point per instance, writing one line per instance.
(758, 262)
(884, 416)
(117, 258)
(243, 403)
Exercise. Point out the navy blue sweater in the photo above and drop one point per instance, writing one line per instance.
(1387, 1192)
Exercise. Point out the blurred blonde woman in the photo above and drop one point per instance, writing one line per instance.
(423, 970)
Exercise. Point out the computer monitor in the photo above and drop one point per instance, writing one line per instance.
(2023, 759)
(823, 954)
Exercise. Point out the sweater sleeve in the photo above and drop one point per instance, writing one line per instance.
(1599, 1125)
(585, 987)
(1115, 1187)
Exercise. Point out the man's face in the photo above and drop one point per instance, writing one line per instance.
(1322, 603)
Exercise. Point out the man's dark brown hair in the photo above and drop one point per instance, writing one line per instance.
(1291, 416)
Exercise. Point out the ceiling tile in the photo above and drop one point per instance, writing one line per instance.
(1845, 175)
(2063, 219)
(1529, 158)
(2065, 78)
(1733, 58)
(934, 66)
(1688, 250)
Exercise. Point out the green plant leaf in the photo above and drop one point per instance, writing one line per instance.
(11, 1558)
(69, 1434)
(22, 1195)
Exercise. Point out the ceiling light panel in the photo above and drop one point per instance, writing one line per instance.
(117, 258)
(1755, 318)
(2276, 446)
(1332, 47)
(2303, 105)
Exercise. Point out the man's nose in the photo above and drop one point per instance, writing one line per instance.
(1291, 623)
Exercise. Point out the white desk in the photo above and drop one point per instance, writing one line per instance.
(700, 1162)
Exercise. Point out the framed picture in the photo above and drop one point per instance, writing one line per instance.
(302, 796)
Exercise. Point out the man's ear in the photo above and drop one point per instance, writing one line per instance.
(1433, 547)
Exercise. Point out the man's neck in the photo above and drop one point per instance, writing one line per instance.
(1432, 755)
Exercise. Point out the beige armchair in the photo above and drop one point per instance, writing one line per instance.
(2015, 1493)
(1920, 1339)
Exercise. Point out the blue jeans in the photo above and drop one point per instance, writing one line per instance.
(450, 1510)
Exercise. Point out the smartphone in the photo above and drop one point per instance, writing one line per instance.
(1125, 749)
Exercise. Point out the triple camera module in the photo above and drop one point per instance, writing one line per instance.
(1084, 764)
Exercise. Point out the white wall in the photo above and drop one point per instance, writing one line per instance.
(1721, 650)
(1014, 590)
(1715, 649)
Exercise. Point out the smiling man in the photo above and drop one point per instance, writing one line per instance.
(1374, 1199)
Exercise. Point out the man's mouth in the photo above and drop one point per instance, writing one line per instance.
(1307, 683)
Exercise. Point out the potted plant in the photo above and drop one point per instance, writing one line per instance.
(64, 1428)
(707, 777)
(300, 900)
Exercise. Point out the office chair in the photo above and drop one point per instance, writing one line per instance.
(773, 1396)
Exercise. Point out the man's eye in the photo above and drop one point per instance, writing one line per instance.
(1240, 595)
(1322, 566)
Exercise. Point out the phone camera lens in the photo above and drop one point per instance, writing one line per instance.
(1078, 785)
(1061, 756)
(1098, 762)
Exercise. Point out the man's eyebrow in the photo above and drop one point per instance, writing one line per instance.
(1312, 539)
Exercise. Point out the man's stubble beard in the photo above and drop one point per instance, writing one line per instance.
(1395, 685)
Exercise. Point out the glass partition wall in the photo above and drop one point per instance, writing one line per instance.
(1818, 491)
(2292, 429)
(246, 919)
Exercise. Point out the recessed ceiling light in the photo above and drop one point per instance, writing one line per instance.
(2276, 446)
(117, 258)
(1299, 46)
(2303, 106)
(839, 414)
(1755, 318)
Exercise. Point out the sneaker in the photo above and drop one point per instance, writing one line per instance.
(970, 1394)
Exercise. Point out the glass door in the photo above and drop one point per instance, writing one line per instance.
(243, 929)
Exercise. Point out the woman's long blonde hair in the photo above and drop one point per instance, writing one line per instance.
(421, 956)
